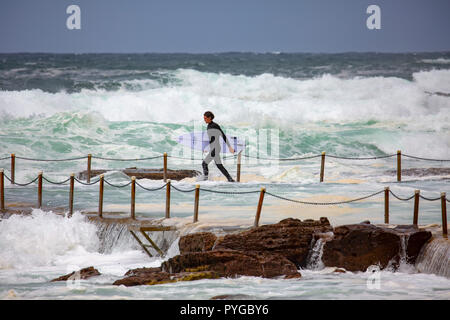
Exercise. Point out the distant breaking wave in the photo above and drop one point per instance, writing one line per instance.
(436, 61)
(239, 98)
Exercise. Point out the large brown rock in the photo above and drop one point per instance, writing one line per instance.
(232, 263)
(358, 246)
(290, 238)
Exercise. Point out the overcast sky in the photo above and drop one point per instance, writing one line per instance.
(203, 26)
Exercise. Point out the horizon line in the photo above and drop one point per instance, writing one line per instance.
(229, 52)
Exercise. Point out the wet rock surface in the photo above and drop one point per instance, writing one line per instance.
(268, 251)
(290, 238)
(83, 274)
(142, 173)
(422, 172)
(356, 247)
(197, 242)
(278, 250)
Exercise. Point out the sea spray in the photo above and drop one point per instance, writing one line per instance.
(41, 238)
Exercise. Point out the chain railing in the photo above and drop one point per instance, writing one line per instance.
(165, 157)
(167, 185)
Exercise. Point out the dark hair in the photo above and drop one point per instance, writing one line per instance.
(209, 114)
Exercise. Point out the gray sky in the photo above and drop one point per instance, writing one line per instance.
(203, 26)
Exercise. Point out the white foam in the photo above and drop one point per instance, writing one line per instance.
(433, 81)
(239, 98)
(437, 61)
(38, 239)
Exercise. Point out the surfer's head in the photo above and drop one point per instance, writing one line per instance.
(208, 116)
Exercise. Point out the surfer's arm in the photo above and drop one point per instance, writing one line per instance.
(226, 140)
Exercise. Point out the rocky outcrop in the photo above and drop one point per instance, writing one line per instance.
(278, 250)
(82, 274)
(290, 238)
(358, 246)
(266, 251)
(232, 263)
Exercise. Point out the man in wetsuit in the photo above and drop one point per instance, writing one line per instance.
(214, 132)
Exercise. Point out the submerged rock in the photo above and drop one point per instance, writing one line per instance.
(152, 276)
(83, 274)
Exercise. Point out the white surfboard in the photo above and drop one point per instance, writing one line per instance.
(200, 141)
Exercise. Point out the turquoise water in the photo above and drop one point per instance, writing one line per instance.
(283, 105)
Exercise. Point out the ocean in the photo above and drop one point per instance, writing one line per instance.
(358, 108)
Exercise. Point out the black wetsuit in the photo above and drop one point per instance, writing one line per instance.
(214, 131)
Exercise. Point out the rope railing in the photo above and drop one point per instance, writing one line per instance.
(51, 160)
(362, 158)
(282, 159)
(325, 203)
(227, 157)
(131, 159)
(165, 156)
(425, 159)
(167, 185)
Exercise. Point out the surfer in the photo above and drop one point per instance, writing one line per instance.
(214, 132)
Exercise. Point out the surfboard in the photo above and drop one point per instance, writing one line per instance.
(200, 141)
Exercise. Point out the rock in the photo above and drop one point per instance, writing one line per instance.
(232, 263)
(358, 246)
(232, 297)
(339, 270)
(267, 251)
(290, 238)
(197, 242)
(152, 276)
(141, 173)
(143, 276)
(422, 172)
(81, 274)
(414, 240)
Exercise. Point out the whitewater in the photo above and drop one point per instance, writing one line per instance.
(283, 105)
